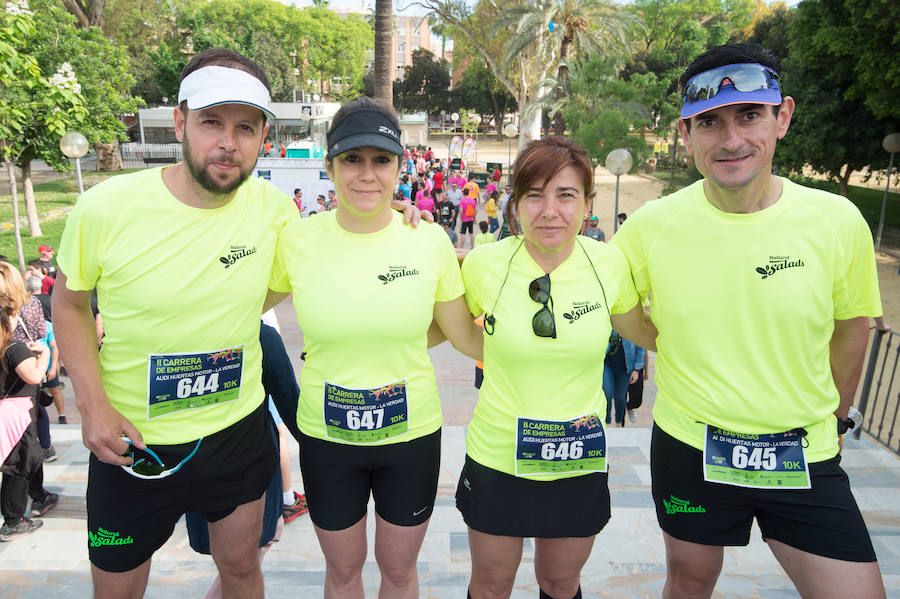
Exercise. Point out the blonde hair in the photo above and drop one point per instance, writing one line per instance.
(13, 285)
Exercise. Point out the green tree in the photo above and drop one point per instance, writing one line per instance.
(567, 28)
(770, 29)
(476, 34)
(605, 112)
(675, 32)
(425, 85)
(469, 93)
(833, 130)
(29, 100)
(102, 73)
(871, 36)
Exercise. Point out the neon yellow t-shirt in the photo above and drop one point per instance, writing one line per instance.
(483, 238)
(364, 303)
(536, 377)
(180, 290)
(745, 306)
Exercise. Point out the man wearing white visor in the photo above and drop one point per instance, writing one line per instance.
(173, 409)
(761, 289)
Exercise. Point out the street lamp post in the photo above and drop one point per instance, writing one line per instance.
(891, 145)
(74, 145)
(475, 119)
(510, 131)
(618, 162)
(454, 116)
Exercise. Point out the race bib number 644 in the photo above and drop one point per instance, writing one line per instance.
(180, 382)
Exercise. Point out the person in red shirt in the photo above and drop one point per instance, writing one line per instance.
(438, 180)
(37, 269)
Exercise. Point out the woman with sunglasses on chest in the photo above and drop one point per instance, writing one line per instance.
(536, 451)
(365, 288)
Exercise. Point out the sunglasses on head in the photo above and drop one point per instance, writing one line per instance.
(746, 77)
(147, 464)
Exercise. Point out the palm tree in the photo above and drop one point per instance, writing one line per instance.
(384, 47)
(568, 28)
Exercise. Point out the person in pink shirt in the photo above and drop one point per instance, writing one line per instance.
(468, 207)
(425, 203)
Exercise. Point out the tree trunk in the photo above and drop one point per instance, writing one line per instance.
(529, 124)
(89, 13)
(109, 158)
(10, 171)
(844, 181)
(498, 114)
(384, 48)
(34, 225)
(674, 156)
(562, 76)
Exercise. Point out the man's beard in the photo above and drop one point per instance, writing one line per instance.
(205, 180)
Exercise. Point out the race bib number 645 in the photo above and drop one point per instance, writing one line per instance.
(762, 461)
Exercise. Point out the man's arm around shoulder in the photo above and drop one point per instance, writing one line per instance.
(102, 425)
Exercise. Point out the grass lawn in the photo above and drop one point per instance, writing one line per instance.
(50, 195)
(868, 200)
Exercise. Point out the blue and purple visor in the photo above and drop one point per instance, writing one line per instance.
(742, 83)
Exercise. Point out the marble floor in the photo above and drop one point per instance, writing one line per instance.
(628, 560)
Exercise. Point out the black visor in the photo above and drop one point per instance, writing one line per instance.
(364, 128)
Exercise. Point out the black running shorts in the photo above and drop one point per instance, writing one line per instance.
(497, 503)
(467, 226)
(130, 518)
(338, 477)
(823, 520)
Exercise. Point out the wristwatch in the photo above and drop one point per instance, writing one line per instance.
(844, 425)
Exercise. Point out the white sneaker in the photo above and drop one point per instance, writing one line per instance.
(632, 417)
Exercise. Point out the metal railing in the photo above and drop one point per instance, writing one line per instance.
(137, 155)
(880, 394)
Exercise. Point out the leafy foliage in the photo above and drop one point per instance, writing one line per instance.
(605, 112)
(833, 130)
(425, 85)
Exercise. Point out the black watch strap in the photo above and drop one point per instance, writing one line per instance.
(844, 425)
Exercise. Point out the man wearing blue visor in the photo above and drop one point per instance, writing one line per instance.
(761, 292)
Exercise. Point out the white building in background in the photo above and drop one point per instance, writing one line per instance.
(293, 120)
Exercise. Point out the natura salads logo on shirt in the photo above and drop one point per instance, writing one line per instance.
(777, 263)
(235, 253)
(396, 272)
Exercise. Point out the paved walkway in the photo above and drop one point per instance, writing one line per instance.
(628, 560)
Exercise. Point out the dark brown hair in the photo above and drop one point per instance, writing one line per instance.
(539, 162)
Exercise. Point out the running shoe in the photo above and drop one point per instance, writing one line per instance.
(9, 532)
(50, 454)
(632, 416)
(63, 420)
(41, 506)
(295, 509)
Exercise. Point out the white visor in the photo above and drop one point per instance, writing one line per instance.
(213, 85)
